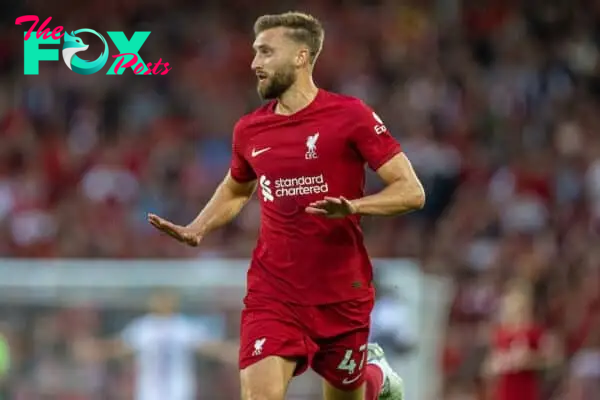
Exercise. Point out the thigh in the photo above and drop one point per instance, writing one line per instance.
(331, 392)
(270, 329)
(267, 379)
(341, 361)
(342, 351)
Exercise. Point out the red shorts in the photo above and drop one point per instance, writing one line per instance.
(331, 339)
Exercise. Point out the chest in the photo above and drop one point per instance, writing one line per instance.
(160, 336)
(290, 149)
(508, 340)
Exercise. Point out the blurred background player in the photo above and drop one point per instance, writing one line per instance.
(164, 344)
(521, 350)
(310, 283)
(391, 325)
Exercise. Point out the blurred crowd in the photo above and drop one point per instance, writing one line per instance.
(494, 101)
(56, 353)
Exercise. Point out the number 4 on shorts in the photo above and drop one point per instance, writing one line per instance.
(348, 364)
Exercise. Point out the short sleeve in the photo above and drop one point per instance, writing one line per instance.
(241, 170)
(194, 332)
(535, 337)
(202, 329)
(132, 334)
(372, 139)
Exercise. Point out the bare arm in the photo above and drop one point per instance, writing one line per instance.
(115, 348)
(523, 358)
(225, 204)
(226, 352)
(403, 192)
(549, 355)
(495, 363)
(101, 349)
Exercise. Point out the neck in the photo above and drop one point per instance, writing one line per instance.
(297, 97)
(516, 323)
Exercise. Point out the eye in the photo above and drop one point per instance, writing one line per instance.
(263, 50)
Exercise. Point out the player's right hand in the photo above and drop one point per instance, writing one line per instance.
(182, 233)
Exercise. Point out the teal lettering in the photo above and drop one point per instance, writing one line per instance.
(33, 54)
(131, 46)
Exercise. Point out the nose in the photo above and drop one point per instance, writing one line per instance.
(256, 64)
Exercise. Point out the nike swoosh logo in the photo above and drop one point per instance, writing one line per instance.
(347, 381)
(258, 152)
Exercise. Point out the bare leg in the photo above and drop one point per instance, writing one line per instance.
(332, 393)
(268, 379)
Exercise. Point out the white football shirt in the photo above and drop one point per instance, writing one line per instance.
(164, 348)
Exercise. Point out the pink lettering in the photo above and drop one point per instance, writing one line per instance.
(148, 71)
(28, 18)
(157, 66)
(56, 33)
(43, 31)
(167, 69)
(129, 63)
(138, 69)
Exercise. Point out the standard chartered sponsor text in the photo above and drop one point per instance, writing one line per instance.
(300, 186)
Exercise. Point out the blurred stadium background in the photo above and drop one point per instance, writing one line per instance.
(494, 101)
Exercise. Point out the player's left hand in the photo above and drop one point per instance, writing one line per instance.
(332, 207)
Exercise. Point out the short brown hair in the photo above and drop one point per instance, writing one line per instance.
(303, 28)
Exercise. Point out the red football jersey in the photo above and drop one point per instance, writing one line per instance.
(319, 151)
(518, 385)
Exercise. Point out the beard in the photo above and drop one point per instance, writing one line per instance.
(278, 84)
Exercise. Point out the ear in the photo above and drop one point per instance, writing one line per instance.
(303, 57)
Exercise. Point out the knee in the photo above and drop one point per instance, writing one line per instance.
(266, 379)
(257, 391)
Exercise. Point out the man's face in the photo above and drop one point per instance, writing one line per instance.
(515, 307)
(275, 62)
(163, 303)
